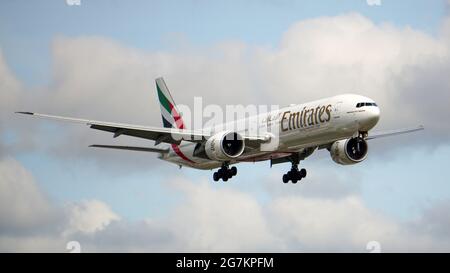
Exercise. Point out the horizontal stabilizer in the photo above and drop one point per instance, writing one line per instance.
(132, 148)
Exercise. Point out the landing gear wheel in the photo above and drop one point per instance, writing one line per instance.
(302, 173)
(216, 176)
(285, 178)
(228, 174)
(233, 171)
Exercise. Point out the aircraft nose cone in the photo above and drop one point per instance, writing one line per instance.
(370, 119)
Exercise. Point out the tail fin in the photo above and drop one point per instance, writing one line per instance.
(169, 112)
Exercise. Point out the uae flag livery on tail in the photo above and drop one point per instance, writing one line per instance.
(169, 112)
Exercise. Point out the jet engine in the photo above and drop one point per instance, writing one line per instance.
(349, 151)
(224, 146)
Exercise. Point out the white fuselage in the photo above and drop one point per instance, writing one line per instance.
(297, 127)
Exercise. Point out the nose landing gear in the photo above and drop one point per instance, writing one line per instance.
(225, 173)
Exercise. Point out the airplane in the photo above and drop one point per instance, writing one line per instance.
(340, 124)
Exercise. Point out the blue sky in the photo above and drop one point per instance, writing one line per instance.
(393, 183)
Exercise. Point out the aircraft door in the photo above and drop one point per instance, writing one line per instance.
(337, 110)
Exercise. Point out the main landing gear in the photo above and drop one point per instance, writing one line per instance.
(225, 172)
(294, 174)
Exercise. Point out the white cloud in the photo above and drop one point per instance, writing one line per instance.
(219, 220)
(89, 216)
(22, 204)
(210, 218)
(29, 221)
(9, 87)
(349, 53)
(223, 219)
(315, 224)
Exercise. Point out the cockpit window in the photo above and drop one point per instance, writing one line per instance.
(361, 104)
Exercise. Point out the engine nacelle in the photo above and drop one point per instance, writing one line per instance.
(349, 151)
(224, 146)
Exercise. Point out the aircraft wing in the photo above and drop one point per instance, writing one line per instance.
(394, 132)
(166, 135)
(381, 134)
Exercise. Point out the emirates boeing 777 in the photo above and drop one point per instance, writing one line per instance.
(340, 124)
